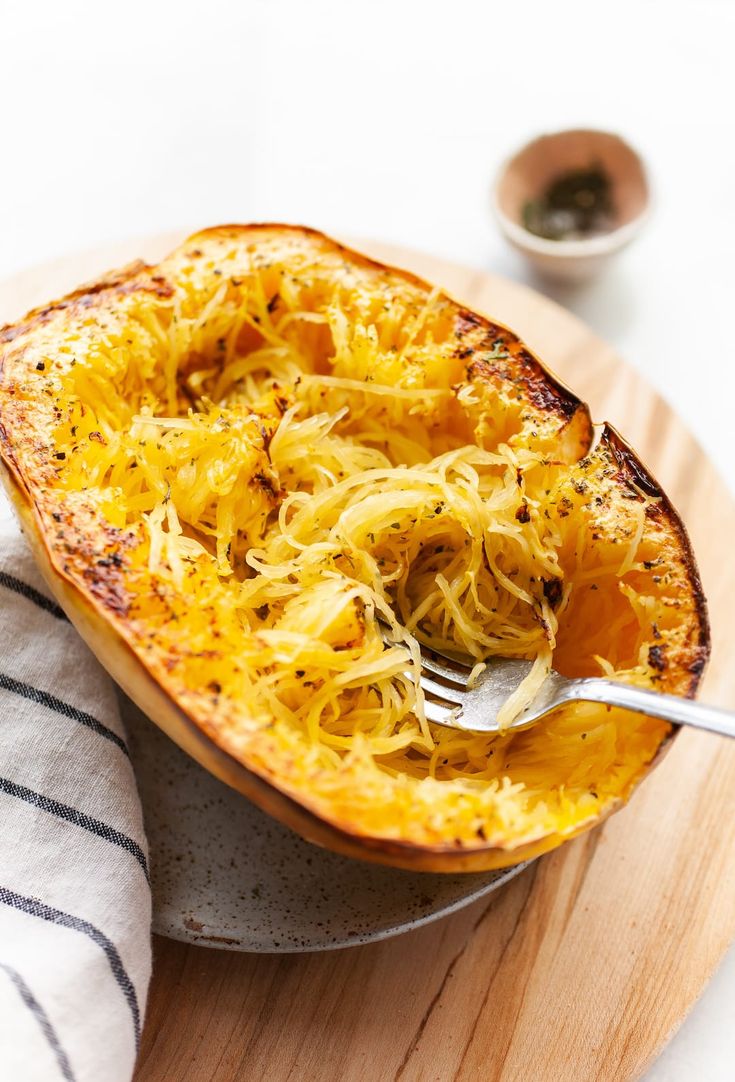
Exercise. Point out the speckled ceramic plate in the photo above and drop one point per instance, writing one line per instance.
(226, 875)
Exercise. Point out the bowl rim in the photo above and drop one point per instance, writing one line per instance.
(601, 244)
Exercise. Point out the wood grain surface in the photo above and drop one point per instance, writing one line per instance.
(584, 965)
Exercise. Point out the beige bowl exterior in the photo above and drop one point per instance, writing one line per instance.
(526, 174)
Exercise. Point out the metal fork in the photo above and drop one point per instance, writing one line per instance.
(451, 702)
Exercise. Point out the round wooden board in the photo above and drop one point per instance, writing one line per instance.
(583, 966)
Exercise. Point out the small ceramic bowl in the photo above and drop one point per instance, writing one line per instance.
(527, 173)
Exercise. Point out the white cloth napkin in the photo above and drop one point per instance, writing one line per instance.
(75, 900)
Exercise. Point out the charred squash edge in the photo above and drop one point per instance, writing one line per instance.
(120, 659)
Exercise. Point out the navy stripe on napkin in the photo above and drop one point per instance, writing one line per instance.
(43, 1020)
(35, 695)
(78, 818)
(10, 582)
(36, 908)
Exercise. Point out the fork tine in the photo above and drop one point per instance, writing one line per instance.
(450, 695)
(458, 676)
(440, 715)
(431, 660)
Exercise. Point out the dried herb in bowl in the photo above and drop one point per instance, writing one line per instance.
(575, 204)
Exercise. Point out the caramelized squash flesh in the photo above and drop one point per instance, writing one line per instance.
(238, 466)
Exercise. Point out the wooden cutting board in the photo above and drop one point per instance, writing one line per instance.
(582, 967)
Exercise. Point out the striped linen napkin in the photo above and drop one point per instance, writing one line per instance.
(75, 901)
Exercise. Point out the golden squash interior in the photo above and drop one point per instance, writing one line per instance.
(252, 457)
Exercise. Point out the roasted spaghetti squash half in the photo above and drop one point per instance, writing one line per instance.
(237, 466)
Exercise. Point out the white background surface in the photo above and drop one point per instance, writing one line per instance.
(388, 119)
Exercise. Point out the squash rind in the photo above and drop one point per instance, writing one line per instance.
(89, 610)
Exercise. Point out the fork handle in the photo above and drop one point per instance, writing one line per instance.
(669, 707)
